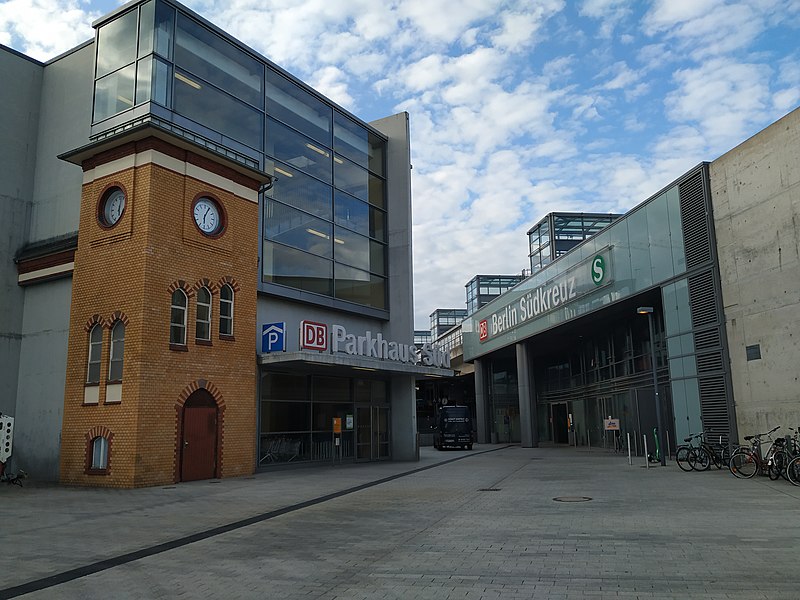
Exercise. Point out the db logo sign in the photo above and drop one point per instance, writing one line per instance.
(313, 336)
(483, 330)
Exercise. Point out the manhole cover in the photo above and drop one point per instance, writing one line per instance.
(489, 490)
(572, 498)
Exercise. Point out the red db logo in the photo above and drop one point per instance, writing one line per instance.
(313, 336)
(483, 330)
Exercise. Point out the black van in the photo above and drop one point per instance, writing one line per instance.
(453, 428)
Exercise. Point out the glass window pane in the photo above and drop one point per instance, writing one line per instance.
(114, 93)
(164, 26)
(351, 248)
(283, 386)
(146, 17)
(214, 59)
(117, 351)
(325, 412)
(285, 417)
(358, 182)
(144, 77)
(162, 82)
(377, 262)
(288, 102)
(116, 43)
(351, 213)
(297, 269)
(330, 389)
(216, 110)
(296, 228)
(358, 144)
(298, 151)
(226, 310)
(359, 216)
(360, 287)
(99, 453)
(294, 187)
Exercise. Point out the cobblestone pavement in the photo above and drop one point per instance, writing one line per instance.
(466, 525)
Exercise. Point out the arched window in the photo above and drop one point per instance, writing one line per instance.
(95, 351)
(177, 322)
(117, 351)
(203, 325)
(226, 310)
(99, 453)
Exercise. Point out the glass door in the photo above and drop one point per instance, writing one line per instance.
(372, 433)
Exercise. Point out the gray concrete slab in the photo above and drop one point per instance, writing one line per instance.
(434, 533)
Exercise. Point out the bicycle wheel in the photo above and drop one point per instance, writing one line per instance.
(744, 464)
(777, 464)
(682, 457)
(793, 471)
(699, 459)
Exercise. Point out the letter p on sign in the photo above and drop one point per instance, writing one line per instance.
(313, 336)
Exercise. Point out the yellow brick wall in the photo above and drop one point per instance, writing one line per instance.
(131, 269)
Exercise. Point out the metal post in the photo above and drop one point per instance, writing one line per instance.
(646, 458)
(628, 435)
(648, 310)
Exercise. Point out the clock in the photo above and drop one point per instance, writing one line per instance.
(207, 216)
(111, 207)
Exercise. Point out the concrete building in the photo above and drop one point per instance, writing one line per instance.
(208, 264)
(712, 261)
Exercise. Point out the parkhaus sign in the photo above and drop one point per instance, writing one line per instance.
(335, 339)
(582, 279)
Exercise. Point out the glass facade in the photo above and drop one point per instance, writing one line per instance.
(297, 413)
(444, 319)
(324, 217)
(587, 369)
(482, 289)
(558, 233)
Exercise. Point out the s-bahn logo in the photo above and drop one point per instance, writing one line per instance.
(313, 336)
(483, 330)
(598, 269)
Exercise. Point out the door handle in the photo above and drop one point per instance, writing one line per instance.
(185, 443)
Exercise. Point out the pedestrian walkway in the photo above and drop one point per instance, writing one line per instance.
(497, 522)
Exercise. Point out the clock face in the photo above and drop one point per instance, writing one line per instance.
(207, 216)
(112, 207)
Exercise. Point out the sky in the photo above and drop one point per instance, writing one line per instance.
(517, 108)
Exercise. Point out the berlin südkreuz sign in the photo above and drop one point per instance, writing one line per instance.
(579, 280)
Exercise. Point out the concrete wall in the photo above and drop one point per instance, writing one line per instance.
(19, 117)
(43, 359)
(755, 191)
(63, 126)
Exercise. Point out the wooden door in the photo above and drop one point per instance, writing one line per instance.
(199, 444)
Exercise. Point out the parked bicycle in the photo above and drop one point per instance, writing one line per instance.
(792, 471)
(747, 462)
(700, 457)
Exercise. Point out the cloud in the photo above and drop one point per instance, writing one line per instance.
(30, 26)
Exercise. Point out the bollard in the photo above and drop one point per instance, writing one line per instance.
(646, 459)
(629, 448)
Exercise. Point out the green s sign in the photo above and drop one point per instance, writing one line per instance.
(598, 269)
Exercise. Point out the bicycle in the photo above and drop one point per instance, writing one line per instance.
(685, 453)
(747, 462)
(792, 471)
(701, 457)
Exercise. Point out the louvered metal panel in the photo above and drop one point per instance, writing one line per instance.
(709, 362)
(703, 299)
(694, 218)
(706, 340)
(714, 405)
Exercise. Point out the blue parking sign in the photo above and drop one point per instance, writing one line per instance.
(273, 337)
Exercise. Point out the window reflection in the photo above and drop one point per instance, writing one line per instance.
(358, 144)
(208, 56)
(294, 187)
(298, 151)
(291, 104)
(116, 44)
(360, 287)
(358, 251)
(296, 228)
(297, 269)
(205, 104)
(114, 93)
(359, 182)
(359, 216)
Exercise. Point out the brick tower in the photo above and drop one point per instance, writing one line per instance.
(161, 377)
